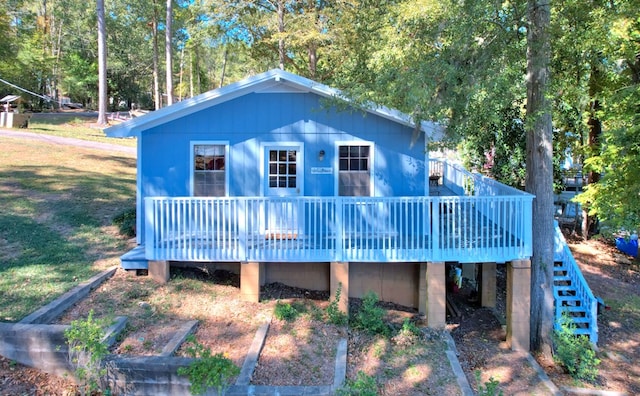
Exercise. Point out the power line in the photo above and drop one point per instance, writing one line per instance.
(47, 98)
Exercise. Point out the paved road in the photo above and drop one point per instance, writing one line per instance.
(11, 133)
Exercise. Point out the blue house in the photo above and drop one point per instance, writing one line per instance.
(278, 178)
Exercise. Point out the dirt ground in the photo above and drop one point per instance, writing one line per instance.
(303, 351)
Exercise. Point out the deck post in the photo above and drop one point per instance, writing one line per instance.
(159, 271)
(432, 293)
(251, 276)
(518, 304)
(488, 285)
(339, 277)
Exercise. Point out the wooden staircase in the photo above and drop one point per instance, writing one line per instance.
(572, 295)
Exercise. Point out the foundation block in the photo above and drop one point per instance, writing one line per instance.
(251, 276)
(519, 304)
(159, 271)
(488, 285)
(436, 294)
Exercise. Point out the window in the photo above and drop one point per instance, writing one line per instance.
(209, 170)
(282, 168)
(354, 177)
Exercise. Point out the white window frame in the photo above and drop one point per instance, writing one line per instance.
(227, 162)
(336, 164)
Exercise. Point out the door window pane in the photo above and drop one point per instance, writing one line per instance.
(282, 168)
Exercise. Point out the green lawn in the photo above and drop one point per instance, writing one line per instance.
(56, 209)
(73, 125)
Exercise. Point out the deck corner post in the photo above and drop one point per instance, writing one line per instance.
(339, 278)
(434, 296)
(518, 306)
(251, 277)
(159, 271)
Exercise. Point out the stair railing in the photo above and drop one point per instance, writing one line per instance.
(587, 299)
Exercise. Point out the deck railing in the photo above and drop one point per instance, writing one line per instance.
(366, 229)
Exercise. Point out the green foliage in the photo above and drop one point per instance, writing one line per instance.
(410, 328)
(207, 370)
(334, 314)
(490, 388)
(370, 317)
(87, 351)
(362, 385)
(284, 311)
(575, 352)
(126, 222)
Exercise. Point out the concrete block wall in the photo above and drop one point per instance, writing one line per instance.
(36, 345)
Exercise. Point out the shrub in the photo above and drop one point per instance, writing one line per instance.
(575, 352)
(409, 334)
(490, 388)
(87, 351)
(126, 222)
(363, 385)
(334, 314)
(207, 370)
(370, 318)
(284, 311)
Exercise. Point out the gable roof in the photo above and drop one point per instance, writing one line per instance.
(271, 79)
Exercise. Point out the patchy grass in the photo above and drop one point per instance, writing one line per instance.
(56, 211)
(73, 125)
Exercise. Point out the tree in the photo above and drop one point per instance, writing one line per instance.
(539, 178)
(168, 52)
(102, 64)
(614, 198)
(157, 98)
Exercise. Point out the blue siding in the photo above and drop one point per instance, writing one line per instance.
(251, 120)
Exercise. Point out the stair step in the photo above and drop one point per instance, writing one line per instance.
(564, 288)
(582, 331)
(582, 319)
(562, 278)
(573, 308)
(568, 299)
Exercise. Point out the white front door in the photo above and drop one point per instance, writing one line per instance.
(283, 171)
(283, 164)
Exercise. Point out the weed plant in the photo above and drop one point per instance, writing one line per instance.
(285, 311)
(362, 385)
(370, 318)
(334, 314)
(87, 351)
(574, 352)
(207, 371)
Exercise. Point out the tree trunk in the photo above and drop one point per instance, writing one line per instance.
(595, 131)
(156, 72)
(593, 144)
(102, 65)
(224, 64)
(539, 176)
(167, 47)
(281, 48)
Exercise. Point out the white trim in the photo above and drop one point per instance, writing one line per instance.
(227, 161)
(300, 164)
(336, 163)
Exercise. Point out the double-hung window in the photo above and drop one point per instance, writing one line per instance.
(354, 176)
(210, 169)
